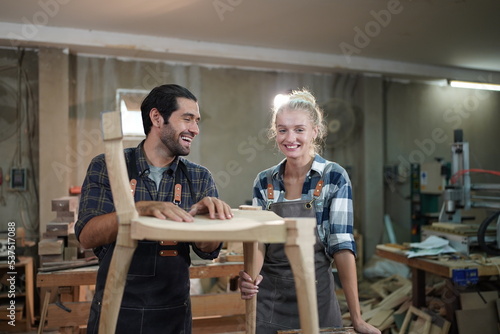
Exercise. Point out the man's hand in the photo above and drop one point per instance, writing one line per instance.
(215, 208)
(163, 210)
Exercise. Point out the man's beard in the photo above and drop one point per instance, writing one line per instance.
(171, 140)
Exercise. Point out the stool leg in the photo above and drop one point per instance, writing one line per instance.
(249, 254)
(113, 290)
(299, 249)
(44, 311)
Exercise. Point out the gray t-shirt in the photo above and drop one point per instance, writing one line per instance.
(156, 174)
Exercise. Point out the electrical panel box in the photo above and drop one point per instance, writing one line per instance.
(18, 178)
(431, 179)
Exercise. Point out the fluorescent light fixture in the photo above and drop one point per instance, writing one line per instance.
(474, 85)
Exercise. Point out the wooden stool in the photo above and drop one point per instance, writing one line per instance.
(248, 226)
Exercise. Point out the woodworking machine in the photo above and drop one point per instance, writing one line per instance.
(461, 194)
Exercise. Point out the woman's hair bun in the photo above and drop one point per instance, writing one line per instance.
(303, 95)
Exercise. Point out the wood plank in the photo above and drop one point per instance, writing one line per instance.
(57, 317)
(70, 265)
(386, 286)
(66, 203)
(226, 269)
(223, 304)
(380, 317)
(217, 325)
(43, 314)
(51, 258)
(75, 277)
(87, 276)
(396, 298)
(420, 314)
(59, 229)
(52, 246)
(246, 225)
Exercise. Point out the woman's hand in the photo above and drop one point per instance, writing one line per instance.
(248, 287)
(365, 328)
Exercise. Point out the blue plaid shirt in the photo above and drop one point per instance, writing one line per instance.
(334, 210)
(96, 198)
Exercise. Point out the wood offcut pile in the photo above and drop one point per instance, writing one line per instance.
(59, 249)
(386, 304)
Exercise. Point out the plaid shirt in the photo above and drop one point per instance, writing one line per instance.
(96, 198)
(334, 210)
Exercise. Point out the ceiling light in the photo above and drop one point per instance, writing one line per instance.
(474, 85)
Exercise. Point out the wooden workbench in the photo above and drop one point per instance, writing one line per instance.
(203, 306)
(421, 265)
(87, 275)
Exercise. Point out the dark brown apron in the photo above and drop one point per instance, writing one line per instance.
(277, 307)
(156, 297)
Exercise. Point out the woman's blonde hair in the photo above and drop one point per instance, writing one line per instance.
(305, 101)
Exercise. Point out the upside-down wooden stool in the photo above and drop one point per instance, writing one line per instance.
(247, 226)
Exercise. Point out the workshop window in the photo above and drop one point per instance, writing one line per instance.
(128, 101)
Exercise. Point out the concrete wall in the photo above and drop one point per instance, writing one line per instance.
(54, 130)
(19, 142)
(420, 120)
(395, 122)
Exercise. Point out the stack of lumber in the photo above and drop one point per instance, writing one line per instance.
(59, 246)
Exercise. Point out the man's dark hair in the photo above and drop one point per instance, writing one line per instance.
(163, 98)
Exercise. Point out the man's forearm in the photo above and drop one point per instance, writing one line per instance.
(100, 230)
(207, 246)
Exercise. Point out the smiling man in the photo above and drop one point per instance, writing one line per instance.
(156, 297)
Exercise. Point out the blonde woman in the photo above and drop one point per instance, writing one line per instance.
(298, 128)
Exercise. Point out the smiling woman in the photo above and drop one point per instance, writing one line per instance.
(304, 185)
